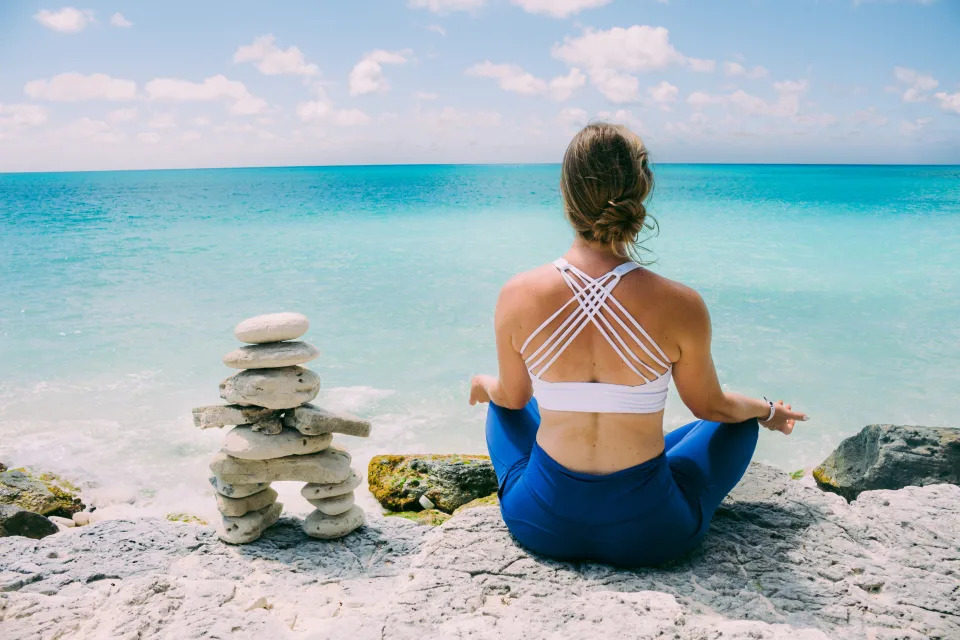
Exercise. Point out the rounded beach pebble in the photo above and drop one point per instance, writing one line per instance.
(235, 490)
(248, 527)
(334, 506)
(236, 507)
(243, 442)
(268, 356)
(281, 388)
(320, 525)
(320, 491)
(272, 327)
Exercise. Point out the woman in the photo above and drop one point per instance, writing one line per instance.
(585, 470)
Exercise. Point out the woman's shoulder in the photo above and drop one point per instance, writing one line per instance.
(673, 294)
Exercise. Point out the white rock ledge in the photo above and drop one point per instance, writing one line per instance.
(783, 560)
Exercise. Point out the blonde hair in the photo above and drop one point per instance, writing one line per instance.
(604, 179)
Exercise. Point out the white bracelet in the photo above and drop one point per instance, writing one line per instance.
(773, 411)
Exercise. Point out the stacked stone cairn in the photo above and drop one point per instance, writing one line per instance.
(278, 435)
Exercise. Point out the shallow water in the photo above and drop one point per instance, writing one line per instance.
(836, 288)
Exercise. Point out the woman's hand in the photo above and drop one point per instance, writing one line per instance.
(783, 418)
(480, 388)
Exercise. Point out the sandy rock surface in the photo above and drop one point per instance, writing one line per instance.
(783, 560)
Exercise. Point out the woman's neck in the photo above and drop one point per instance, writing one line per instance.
(592, 255)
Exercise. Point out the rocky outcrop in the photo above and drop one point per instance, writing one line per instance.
(782, 560)
(43, 493)
(887, 456)
(15, 521)
(400, 483)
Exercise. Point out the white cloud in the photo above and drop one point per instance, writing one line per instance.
(949, 101)
(559, 8)
(700, 65)
(423, 95)
(214, 88)
(272, 60)
(563, 87)
(511, 77)
(322, 110)
(572, 118)
(915, 85)
(622, 116)
(66, 20)
(350, 117)
(93, 130)
(786, 105)
(367, 75)
(663, 93)
(74, 87)
(734, 69)
(700, 99)
(201, 121)
(436, 29)
(869, 116)
(615, 86)
(190, 135)
(611, 56)
(163, 121)
(14, 117)
(151, 137)
(451, 117)
(118, 20)
(909, 128)
(446, 6)
(122, 115)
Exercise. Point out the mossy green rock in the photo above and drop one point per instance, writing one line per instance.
(43, 493)
(448, 481)
(889, 456)
(430, 517)
(491, 500)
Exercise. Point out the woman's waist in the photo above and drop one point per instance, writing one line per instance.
(600, 444)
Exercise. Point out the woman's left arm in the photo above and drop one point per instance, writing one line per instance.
(512, 389)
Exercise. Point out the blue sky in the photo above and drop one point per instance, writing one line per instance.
(124, 84)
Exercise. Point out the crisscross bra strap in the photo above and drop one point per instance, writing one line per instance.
(593, 296)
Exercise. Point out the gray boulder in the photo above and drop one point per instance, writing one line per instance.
(889, 456)
(783, 560)
(15, 521)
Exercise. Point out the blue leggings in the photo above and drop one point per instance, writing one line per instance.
(644, 515)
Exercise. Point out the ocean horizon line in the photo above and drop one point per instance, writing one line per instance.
(474, 164)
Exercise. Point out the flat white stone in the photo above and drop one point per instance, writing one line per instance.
(81, 518)
(223, 415)
(320, 491)
(271, 355)
(272, 327)
(310, 419)
(320, 525)
(67, 523)
(241, 506)
(249, 527)
(280, 388)
(237, 490)
(326, 467)
(243, 442)
(334, 506)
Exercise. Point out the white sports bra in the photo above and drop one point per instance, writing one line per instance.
(596, 305)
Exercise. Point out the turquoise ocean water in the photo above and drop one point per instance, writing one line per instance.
(834, 287)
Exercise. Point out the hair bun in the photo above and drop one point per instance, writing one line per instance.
(621, 221)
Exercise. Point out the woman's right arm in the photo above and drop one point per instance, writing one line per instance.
(696, 376)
